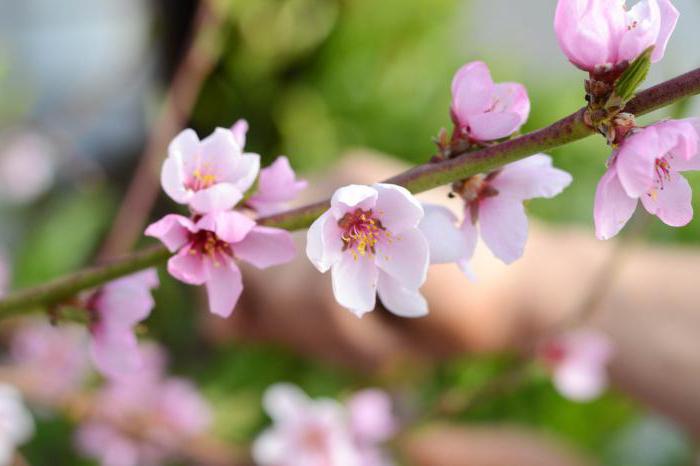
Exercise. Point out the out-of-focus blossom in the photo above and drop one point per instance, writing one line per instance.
(208, 175)
(16, 424)
(117, 308)
(52, 358)
(143, 419)
(240, 131)
(579, 361)
(647, 167)
(323, 432)
(27, 167)
(482, 110)
(370, 240)
(209, 246)
(495, 203)
(277, 186)
(600, 33)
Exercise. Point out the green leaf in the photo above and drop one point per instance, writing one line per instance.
(635, 74)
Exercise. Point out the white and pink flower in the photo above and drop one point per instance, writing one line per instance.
(16, 423)
(484, 111)
(116, 309)
(595, 34)
(579, 360)
(208, 247)
(323, 432)
(209, 175)
(494, 203)
(646, 167)
(370, 241)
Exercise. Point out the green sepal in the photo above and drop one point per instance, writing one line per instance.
(627, 84)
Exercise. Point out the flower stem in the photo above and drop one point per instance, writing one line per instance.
(417, 179)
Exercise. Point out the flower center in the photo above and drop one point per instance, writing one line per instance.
(201, 179)
(207, 244)
(361, 232)
(663, 173)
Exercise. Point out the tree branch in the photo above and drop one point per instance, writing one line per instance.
(418, 179)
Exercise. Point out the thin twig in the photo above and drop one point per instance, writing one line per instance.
(197, 64)
(420, 178)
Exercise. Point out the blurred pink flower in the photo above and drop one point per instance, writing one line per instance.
(118, 307)
(596, 33)
(370, 240)
(647, 167)
(579, 361)
(277, 186)
(53, 358)
(145, 418)
(323, 432)
(495, 202)
(209, 246)
(484, 111)
(210, 175)
(27, 167)
(16, 423)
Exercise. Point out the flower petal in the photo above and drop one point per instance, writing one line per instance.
(613, 207)
(230, 226)
(319, 242)
(503, 225)
(512, 98)
(636, 161)
(672, 202)
(643, 24)
(531, 177)
(224, 287)
(185, 144)
(246, 171)
(355, 283)
(400, 300)
(172, 230)
(351, 197)
(115, 351)
(285, 402)
(405, 257)
(188, 267)
(669, 18)
(172, 179)
(472, 88)
(218, 197)
(445, 240)
(264, 247)
(492, 125)
(396, 207)
(580, 382)
(239, 130)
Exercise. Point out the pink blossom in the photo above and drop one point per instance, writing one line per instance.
(494, 202)
(240, 130)
(163, 412)
(16, 424)
(323, 432)
(579, 362)
(483, 110)
(647, 167)
(599, 33)
(118, 307)
(277, 186)
(370, 240)
(208, 246)
(53, 358)
(209, 175)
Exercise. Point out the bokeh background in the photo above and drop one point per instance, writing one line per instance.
(82, 82)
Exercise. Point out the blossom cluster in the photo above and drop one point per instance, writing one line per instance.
(324, 432)
(212, 177)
